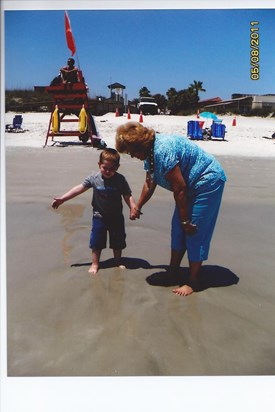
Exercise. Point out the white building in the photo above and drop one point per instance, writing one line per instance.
(244, 103)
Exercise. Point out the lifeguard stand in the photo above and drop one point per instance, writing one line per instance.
(70, 106)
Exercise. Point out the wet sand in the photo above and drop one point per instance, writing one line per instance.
(64, 322)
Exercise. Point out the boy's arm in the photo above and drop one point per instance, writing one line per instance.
(131, 204)
(75, 191)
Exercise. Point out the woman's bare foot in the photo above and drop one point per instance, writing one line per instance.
(93, 269)
(184, 290)
(117, 262)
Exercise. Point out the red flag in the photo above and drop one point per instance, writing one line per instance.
(69, 34)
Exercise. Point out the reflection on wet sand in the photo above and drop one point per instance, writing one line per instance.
(70, 216)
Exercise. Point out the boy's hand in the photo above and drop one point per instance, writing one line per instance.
(132, 214)
(57, 202)
(135, 213)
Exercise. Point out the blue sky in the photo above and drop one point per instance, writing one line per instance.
(158, 49)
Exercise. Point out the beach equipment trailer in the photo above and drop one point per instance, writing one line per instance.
(71, 105)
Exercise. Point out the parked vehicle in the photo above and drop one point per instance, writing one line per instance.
(148, 105)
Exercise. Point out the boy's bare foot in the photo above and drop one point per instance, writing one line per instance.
(184, 290)
(93, 269)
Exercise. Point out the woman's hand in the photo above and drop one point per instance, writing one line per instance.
(190, 229)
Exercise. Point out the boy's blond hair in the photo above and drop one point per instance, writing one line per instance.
(110, 155)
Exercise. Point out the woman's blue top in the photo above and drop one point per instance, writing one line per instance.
(200, 169)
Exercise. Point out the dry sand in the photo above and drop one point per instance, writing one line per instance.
(64, 322)
(250, 137)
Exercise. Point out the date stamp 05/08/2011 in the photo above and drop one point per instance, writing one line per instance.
(254, 50)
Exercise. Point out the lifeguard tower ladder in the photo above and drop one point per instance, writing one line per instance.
(70, 105)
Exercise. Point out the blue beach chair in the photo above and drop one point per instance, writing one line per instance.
(17, 121)
(194, 130)
(16, 125)
(217, 131)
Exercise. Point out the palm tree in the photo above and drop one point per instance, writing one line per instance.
(144, 92)
(171, 92)
(196, 86)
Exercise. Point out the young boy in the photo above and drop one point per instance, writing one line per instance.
(108, 189)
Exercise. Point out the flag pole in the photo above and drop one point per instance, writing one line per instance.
(78, 64)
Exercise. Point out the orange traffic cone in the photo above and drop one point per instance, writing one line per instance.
(234, 121)
(140, 117)
(117, 113)
(129, 114)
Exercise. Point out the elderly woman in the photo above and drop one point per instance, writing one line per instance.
(197, 181)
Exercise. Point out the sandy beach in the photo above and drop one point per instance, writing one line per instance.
(64, 322)
(250, 137)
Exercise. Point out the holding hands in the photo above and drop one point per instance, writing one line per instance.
(135, 213)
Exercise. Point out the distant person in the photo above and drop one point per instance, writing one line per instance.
(69, 73)
(196, 180)
(108, 189)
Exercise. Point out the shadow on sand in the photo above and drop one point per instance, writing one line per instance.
(63, 144)
(211, 276)
(129, 263)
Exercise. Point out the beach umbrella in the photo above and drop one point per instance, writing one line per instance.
(208, 115)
